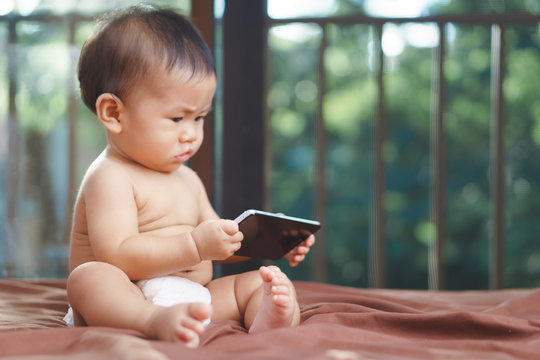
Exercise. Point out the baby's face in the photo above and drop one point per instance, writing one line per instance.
(163, 120)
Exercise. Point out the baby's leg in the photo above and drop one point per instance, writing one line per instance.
(263, 299)
(102, 295)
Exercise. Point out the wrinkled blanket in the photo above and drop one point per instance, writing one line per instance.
(337, 323)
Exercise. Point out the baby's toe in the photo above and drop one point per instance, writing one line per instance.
(267, 275)
(199, 311)
(188, 337)
(281, 290)
(281, 279)
(273, 268)
(193, 325)
(281, 301)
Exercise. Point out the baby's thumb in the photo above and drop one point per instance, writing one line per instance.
(229, 227)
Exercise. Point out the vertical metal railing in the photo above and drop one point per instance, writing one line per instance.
(12, 152)
(436, 271)
(497, 165)
(377, 240)
(436, 246)
(72, 128)
(377, 257)
(321, 268)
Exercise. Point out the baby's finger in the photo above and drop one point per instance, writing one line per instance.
(310, 241)
(302, 250)
(294, 261)
(229, 227)
(238, 237)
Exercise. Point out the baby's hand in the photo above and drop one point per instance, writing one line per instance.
(217, 239)
(298, 254)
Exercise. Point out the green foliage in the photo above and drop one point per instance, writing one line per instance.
(348, 113)
(43, 64)
(44, 74)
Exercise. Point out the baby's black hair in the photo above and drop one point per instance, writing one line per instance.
(128, 44)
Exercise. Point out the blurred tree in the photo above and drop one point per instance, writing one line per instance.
(348, 106)
(33, 236)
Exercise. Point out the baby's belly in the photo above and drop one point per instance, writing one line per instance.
(201, 273)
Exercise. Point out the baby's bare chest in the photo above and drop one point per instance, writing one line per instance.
(165, 202)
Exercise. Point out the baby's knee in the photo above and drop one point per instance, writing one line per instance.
(89, 270)
(248, 282)
(88, 275)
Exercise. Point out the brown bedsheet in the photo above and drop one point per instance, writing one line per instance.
(337, 323)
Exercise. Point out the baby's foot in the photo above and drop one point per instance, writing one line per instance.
(179, 323)
(278, 306)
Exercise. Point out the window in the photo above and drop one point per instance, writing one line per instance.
(413, 136)
(47, 137)
(385, 123)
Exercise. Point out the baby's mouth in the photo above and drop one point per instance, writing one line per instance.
(185, 156)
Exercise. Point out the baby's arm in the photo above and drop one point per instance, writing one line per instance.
(207, 212)
(112, 223)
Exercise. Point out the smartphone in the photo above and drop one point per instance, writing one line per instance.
(270, 236)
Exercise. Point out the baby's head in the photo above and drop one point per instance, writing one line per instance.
(127, 46)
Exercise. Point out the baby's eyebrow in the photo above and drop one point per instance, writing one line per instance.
(181, 109)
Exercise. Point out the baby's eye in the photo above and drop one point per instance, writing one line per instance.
(198, 118)
(177, 119)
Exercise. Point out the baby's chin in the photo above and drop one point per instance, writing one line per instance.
(163, 168)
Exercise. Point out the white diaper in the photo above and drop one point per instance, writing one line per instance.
(172, 290)
(167, 291)
(68, 318)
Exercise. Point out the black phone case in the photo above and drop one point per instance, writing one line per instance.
(270, 236)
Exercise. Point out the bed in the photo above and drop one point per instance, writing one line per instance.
(336, 323)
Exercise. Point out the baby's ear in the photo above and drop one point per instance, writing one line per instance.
(108, 109)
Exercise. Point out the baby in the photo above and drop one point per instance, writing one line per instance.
(144, 232)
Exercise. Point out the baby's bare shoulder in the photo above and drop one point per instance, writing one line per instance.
(104, 172)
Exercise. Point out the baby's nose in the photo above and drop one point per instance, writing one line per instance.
(187, 135)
